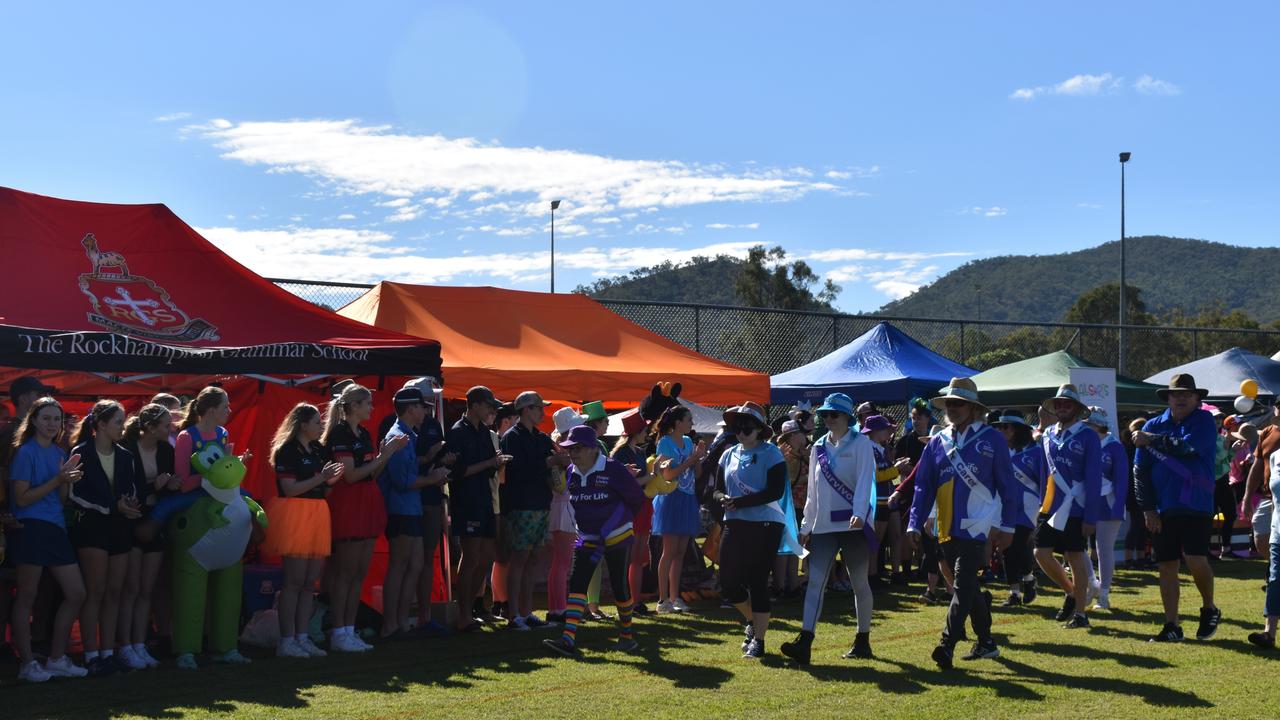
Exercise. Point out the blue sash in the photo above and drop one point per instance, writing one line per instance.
(844, 491)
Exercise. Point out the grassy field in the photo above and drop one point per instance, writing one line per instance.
(689, 667)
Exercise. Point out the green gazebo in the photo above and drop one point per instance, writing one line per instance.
(1028, 382)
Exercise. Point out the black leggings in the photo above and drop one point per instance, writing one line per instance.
(1017, 558)
(747, 552)
(1224, 497)
(616, 559)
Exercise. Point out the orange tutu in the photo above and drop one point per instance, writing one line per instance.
(297, 527)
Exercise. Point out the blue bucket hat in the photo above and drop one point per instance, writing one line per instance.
(837, 402)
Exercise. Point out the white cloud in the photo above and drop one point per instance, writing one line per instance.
(896, 289)
(1089, 206)
(369, 256)
(726, 226)
(845, 273)
(1148, 85)
(993, 211)
(606, 220)
(172, 117)
(1076, 85)
(379, 160)
(839, 174)
(346, 216)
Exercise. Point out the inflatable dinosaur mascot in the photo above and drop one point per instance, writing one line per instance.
(208, 531)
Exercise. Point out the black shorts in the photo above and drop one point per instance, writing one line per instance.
(882, 510)
(1182, 535)
(157, 544)
(91, 529)
(1068, 539)
(402, 525)
(39, 543)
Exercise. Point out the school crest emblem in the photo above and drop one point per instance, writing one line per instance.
(134, 305)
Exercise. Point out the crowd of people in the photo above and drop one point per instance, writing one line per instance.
(813, 501)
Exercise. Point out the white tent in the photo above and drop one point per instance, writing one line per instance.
(705, 420)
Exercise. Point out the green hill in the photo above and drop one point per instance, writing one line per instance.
(1173, 274)
(704, 281)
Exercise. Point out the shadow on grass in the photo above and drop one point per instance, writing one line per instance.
(1151, 693)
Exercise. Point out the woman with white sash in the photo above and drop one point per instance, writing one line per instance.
(751, 484)
(1027, 459)
(1069, 513)
(1115, 485)
(838, 509)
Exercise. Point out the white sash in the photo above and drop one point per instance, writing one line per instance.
(1070, 493)
(983, 509)
(1109, 488)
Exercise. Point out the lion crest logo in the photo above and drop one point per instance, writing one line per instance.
(134, 305)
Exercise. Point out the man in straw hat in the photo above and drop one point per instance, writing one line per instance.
(1072, 501)
(965, 469)
(1173, 468)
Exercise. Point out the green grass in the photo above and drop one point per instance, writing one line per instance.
(689, 667)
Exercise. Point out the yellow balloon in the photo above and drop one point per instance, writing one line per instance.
(1249, 388)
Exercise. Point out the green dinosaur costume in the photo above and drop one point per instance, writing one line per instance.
(208, 536)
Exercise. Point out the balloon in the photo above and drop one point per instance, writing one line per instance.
(1244, 404)
(1249, 388)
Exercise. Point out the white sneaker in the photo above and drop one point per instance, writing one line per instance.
(289, 647)
(345, 643)
(666, 607)
(306, 644)
(1095, 589)
(360, 643)
(1104, 601)
(680, 605)
(63, 667)
(131, 659)
(33, 673)
(146, 657)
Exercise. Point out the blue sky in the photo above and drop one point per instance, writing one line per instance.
(886, 143)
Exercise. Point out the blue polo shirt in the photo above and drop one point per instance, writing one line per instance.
(746, 472)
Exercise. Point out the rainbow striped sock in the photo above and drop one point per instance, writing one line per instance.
(574, 609)
(624, 619)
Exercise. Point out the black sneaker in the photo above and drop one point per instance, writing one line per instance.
(930, 597)
(861, 649)
(1263, 640)
(754, 649)
(1171, 633)
(555, 618)
(101, 666)
(641, 610)
(942, 656)
(1068, 609)
(983, 650)
(748, 635)
(799, 649)
(1014, 600)
(1028, 591)
(1079, 620)
(562, 646)
(1209, 619)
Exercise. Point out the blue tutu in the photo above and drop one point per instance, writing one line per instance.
(676, 513)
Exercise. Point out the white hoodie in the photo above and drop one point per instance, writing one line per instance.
(853, 461)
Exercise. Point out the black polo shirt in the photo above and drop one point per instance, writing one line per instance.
(528, 485)
(472, 445)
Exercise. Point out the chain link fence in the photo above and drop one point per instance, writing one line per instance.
(774, 341)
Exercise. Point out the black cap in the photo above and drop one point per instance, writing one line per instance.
(480, 394)
(27, 384)
(506, 410)
(409, 396)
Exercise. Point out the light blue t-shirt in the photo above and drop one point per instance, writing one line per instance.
(746, 472)
(37, 465)
(667, 447)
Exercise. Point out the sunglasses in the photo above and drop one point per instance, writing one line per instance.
(829, 414)
(955, 403)
(745, 428)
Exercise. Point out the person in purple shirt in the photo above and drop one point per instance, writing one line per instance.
(605, 497)
(1072, 500)
(1173, 469)
(1115, 491)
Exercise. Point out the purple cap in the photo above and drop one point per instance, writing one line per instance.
(876, 422)
(581, 435)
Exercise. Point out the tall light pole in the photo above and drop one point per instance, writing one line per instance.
(555, 205)
(1124, 158)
